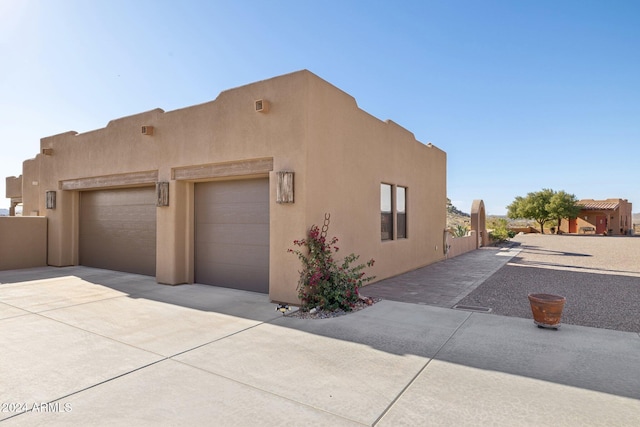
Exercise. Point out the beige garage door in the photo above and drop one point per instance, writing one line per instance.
(118, 230)
(232, 234)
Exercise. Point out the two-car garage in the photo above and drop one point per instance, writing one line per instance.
(231, 232)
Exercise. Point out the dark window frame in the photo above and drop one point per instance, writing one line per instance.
(401, 215)
(393, 222)
(386, 216)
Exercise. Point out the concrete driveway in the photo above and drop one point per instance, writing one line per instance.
(82, 346)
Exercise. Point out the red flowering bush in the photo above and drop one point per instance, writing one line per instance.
(324, 283)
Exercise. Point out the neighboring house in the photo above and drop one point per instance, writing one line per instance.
(216, 193)
(611, 217)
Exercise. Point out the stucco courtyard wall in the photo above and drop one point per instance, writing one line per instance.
(24, 242)
(462, 245)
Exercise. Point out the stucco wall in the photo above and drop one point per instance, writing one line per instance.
(24, 242)
(350, 154)
(13, 187)
(219, 132)
(461, 245)
(340, 155)
(625, 220)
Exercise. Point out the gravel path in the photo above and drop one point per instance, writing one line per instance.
(598, 275)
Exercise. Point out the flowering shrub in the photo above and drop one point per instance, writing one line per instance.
(325, 283)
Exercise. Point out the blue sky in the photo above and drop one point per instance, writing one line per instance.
(522, 95)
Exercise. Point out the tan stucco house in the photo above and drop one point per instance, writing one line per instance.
(216, 193)
(610, 216)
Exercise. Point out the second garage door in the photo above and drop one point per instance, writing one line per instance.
(232, 234)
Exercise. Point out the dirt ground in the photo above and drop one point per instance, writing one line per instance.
(598, 275)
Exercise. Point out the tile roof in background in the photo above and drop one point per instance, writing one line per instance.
(593, 205)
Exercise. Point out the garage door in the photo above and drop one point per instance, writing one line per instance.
(232, 234)
(118, 230)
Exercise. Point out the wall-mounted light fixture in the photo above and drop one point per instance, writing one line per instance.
(284, 189)
(50, 199)
(162, 191)
(147, 130)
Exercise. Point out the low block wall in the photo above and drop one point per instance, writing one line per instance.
(23, 242)
(461, 245)
(525, 230)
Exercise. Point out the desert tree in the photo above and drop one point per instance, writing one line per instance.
(534, 206)
(562, 205)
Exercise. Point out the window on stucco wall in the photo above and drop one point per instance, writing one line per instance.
(393, 210)
(386, 212)
(401, 212)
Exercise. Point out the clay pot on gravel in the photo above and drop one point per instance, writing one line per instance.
(547, 309)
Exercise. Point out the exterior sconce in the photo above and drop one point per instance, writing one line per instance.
(284, 189)
(47, 151)
(162, 191)
(50, 199)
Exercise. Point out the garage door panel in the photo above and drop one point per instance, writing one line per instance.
(133, 261)
(123, 214)
(118, 230)
(232, 234)
(239, 255)
(140, 229)
(246, 234)
(122, 197)
(236, 213)
(105, 245)
(98, 204)
(226, 275)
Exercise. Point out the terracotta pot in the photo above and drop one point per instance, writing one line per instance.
(546, 309)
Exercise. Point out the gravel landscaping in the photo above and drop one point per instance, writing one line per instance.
(598, 275)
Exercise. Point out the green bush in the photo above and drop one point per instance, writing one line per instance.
(325, 283)
(459, 231)
(499, 231)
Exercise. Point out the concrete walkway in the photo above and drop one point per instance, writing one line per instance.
(444, 283)
(82, 346)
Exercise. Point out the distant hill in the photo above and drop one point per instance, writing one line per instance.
(456, 217)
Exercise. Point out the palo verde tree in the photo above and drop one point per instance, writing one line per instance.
(543, 206)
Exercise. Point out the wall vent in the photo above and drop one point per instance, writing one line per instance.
(262, 105)
(147, 130)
